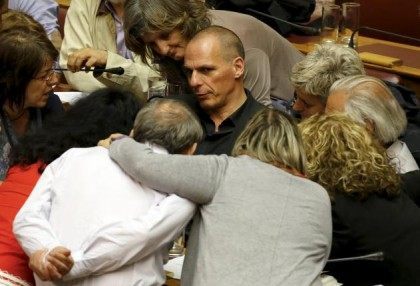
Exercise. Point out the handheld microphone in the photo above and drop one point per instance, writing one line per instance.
(351, 41)
(310, 30)
(376, 256)
(97, 71)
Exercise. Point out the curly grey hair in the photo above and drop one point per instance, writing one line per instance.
(323, 66)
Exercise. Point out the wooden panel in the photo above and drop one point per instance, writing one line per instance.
(396, 16)
(306, 44)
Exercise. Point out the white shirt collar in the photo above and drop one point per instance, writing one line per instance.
(401, 158)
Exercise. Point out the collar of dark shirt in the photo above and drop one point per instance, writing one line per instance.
(229, 124)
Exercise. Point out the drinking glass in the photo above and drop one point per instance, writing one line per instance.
(331, 14)
(156, 85)
(350, 23)
(178, 247)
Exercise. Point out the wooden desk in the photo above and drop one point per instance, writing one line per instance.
(306, 44)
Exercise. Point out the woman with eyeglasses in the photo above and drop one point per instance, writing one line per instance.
(26, 86)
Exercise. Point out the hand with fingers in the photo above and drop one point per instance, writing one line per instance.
(61, 261)
(51, 265)
(107, 142)
(87, 58)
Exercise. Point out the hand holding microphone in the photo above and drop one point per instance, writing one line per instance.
(90, 60)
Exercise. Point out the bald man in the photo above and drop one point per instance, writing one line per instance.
(214, 64)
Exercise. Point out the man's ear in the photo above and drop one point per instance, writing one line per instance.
(190, 150)
(239, 66)
(370, 126)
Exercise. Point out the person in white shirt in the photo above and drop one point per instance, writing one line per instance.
(84, 194)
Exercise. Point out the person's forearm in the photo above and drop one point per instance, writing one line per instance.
(31, 226)
(195, 178)
(129, 241)
(133, 79)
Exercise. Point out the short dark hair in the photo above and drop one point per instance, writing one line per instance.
(91, 119)
(230, 44)
(162, 16)
(168, 123)
(22, 56)
(12, 20)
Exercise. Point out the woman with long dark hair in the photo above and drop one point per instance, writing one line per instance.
(26, 84)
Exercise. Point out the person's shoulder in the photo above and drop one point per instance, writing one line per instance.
(252, 104)
(84, 7)
(311, 188)
(54, 105)
(84, 152)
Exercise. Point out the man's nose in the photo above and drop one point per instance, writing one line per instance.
(298, 106)
(161, 47)
(54, 80)
(195, 79)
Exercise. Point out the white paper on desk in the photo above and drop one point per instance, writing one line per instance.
(69, 96)
(175, 266)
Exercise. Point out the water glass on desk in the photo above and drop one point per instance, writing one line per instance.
(331, 15)
(178, 247)
(350, 23)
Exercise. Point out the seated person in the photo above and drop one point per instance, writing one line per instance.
(370, 211)
(260, 222)
(86, 179)
(368, 101)
(45, 12)
(214, 65)
(316, 73)
(26, 83)
(94, 37)
(313, 76)
(110, 110)
(269, 57)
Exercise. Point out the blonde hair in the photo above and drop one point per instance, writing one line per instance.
(344, 158)
(272, 137)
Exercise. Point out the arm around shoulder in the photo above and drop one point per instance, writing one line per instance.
(195, 178)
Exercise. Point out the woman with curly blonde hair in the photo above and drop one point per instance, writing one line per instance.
(370, 211)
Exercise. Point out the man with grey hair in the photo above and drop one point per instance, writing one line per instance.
(111, 208)
(367, 100)
(313, 76)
